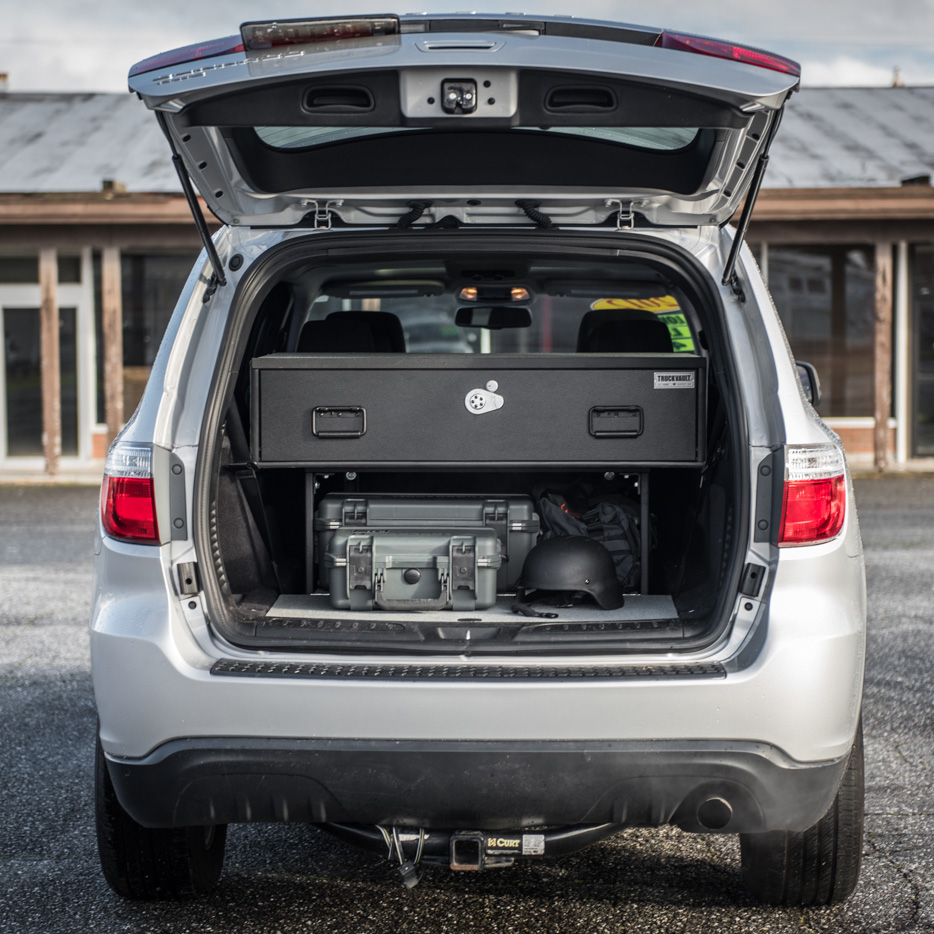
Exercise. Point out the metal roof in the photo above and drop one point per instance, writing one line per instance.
(73, 142)
(830, 137)
(854, 138)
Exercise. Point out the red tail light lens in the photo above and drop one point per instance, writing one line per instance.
(267, 35)
(814, 500)
(736, 53)
(812, 510)
(128, 502)
(189, 53)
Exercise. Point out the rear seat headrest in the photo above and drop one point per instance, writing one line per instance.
(623, 330)
(329, 336)
(386, 328)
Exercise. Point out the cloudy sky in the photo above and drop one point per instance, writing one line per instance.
(80, 45)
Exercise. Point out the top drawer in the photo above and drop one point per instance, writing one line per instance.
(435, 410)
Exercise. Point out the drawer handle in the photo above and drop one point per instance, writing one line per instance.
(338, 421)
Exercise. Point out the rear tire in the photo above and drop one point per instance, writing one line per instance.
(146, 863)
(817, 866)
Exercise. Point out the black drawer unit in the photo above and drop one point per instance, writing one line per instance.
(424, 411)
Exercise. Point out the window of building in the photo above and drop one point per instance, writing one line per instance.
(19, 270)
(69, 269)
(151, 284)
(24, 270)
(922, 301)
(825, 296)
(98, 334)
(22, 388)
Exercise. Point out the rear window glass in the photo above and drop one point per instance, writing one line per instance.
(304, 137)
(557, 324)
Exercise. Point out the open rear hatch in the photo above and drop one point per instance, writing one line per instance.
(465, 121)
(385, 120)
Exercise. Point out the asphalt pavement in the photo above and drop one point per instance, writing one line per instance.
(292, 878)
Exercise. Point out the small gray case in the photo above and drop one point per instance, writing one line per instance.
(413, 569)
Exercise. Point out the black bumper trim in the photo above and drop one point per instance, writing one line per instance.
(473, 785)
(230, 667)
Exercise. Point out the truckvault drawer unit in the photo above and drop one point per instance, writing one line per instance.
(347, 412)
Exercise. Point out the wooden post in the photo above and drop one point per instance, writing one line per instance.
(112, 317)
(50, 360)
(883, 353)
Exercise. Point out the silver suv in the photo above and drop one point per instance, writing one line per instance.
(476, 509)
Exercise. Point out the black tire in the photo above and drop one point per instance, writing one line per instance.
(817, 866)
(145, 863)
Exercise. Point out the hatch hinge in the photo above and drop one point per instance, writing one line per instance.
(322, 215)
(625, 216)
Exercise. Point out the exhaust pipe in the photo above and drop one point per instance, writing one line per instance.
(714, 813)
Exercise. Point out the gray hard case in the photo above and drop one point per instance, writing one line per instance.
(413, 569)
(512, 518)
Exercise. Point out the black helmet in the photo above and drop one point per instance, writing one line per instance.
(572, 563)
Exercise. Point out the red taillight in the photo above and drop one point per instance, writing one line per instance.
(128, 500)
(737, 53)
(271, 34)
(128, 509)
(814, 499)
(189, 53)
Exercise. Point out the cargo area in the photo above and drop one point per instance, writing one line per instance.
(401, 434)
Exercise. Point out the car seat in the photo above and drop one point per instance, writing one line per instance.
(386, 328)
(623, 330)
(329, 336)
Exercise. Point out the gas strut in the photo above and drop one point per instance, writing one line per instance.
(193, 205)
(729, 270)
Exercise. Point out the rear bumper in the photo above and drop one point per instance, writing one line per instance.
(699, 786)
(799, 690)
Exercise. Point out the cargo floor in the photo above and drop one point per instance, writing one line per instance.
(638, 607)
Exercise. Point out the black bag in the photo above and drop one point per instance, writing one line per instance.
(611, 519)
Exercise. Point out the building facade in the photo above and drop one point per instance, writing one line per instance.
(96, 241)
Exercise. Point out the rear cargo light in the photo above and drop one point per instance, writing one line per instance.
(814, 499)
(737, 53)
(516, 293)
(128, 504)
(299, 31)
(189, 53)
